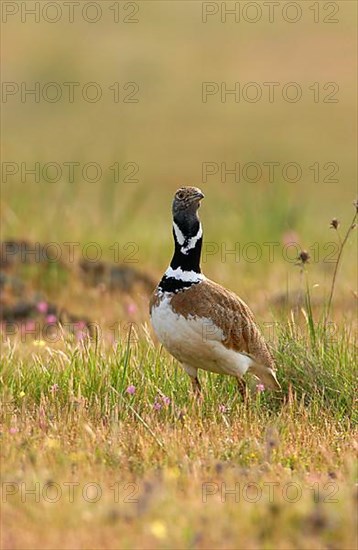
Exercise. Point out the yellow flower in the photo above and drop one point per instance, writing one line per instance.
(172, 473)
(39, 343)
(22, 394)
(52, 443)
(77, 456)
(158, 529)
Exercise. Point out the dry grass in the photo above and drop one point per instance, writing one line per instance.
(66, 415)
(160, 472)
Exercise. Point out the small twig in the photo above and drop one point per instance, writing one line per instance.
(342, 245)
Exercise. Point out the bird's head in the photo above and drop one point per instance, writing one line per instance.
(186, 224)
(186, 203)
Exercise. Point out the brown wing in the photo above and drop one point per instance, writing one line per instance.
(229, 313)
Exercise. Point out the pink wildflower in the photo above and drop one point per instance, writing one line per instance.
(42, 307)
(130, 389)
(50, 319)
(29, 326)
(260, 388)
(131, 308)
(80, 335)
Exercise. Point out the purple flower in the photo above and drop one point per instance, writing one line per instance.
(166, 400)
(260, 388)
(157, 406)
(130, 389)
(29, 326)
(131, 308)
(42, 307)
(80, 335)
(222, 408)
(13, 431)
(51, 319)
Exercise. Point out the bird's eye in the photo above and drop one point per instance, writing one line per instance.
(180, 195)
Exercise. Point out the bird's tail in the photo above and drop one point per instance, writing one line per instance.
(266, 375)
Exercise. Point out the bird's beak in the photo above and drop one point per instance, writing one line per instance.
(200, 196)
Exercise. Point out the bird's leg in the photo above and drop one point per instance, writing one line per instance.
(196, 386)
(193, 373)
(241, 384)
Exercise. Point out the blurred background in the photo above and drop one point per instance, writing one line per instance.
(154, 128)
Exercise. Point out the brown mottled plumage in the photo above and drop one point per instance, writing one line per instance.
(202, 324)
(230, 314)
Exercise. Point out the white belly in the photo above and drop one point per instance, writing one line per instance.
(196, 341)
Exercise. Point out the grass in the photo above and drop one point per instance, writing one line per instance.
(154, 469)
(87, 463)
(318, 370)
(68, 418)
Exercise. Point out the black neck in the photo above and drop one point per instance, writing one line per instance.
(185, 262)
(189, 261)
